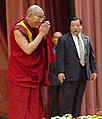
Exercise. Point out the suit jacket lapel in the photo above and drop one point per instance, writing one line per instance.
(73, 44)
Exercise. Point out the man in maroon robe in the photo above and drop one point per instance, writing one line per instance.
(30, 55)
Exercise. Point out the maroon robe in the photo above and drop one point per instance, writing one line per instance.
(26, 75)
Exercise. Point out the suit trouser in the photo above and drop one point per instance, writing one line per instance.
(54, 94)
(71, 95)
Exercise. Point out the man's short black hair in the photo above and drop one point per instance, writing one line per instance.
(75, 18)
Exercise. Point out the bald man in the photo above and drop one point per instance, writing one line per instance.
(55, 37)
(54, 89)
(28, 65)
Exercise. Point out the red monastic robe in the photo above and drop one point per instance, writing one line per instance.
(27, 74)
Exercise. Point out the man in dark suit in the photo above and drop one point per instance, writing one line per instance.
(74, 61)
(54, 88)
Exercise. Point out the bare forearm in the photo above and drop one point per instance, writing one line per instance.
(34, 44)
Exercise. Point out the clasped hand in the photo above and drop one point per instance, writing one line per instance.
(44, 28)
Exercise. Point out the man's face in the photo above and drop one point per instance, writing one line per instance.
(37, 18)
(75, 27)
(55, 37)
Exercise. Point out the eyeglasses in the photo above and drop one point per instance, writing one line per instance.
(39, 17)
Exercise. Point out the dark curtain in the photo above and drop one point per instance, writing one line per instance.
(3, 60)
(58, 12)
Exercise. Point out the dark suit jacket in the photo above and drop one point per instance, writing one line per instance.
(53, 74)
(68, 59)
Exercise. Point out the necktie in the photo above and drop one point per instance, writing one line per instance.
(82, 54)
